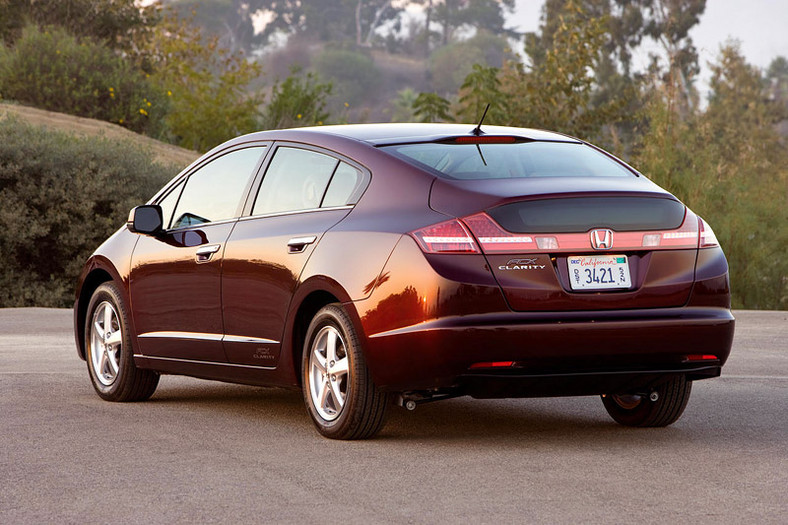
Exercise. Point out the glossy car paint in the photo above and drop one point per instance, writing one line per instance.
(424, 319)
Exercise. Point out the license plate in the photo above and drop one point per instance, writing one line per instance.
(599, 272)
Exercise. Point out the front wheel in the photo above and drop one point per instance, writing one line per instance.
(635, 410)
(338, 389)
(108, 350)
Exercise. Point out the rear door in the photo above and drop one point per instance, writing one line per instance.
(304, 192)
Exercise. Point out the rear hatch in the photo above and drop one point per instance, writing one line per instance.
(563, 225)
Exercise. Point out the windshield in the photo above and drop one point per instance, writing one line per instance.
(516, 160)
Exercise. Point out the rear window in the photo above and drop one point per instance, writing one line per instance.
(503, 161)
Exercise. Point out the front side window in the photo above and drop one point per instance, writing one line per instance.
(295, 180)
(515, 160)
(214, 192)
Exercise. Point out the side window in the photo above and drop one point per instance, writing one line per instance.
(346, 186)
(214, 192)
(168, 204)
(295, 180)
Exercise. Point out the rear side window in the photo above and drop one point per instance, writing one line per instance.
(503, 161)
(346, 186)
(295, 180)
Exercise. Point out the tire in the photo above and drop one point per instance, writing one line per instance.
(338, 390)
(640, 411)
(109, 352)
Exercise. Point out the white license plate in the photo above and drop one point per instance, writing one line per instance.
(599, 272)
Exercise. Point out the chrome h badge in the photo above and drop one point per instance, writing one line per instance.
(602, 239)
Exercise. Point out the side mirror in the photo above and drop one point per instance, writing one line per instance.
(145, 219)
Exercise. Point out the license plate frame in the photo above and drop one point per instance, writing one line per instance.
(599, 272)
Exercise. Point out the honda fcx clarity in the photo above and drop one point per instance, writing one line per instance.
(371, 265)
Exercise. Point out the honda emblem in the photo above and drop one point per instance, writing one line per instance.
(602, 239)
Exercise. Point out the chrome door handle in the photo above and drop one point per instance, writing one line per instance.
(298, 244)
(204, 253)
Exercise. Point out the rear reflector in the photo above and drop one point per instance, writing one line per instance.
(493, 364)
(701, 357)
(446, 237)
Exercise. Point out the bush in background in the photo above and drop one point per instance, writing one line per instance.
(53, 70)
(62, 196)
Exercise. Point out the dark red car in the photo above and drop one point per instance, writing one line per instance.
(379, 264)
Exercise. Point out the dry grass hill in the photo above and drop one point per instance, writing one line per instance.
(165, 154)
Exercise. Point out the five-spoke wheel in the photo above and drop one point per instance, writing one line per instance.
(338, 389)
(108, 350)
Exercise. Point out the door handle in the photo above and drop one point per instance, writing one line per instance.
(205, 253)
(298, 244)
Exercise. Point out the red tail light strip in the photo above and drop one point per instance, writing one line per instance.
(494, 239)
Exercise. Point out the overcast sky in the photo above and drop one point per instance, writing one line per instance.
(761, 27)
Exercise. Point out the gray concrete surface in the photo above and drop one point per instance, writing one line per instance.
(203, 452)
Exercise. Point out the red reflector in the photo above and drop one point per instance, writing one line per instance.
(485, 140)
(701, 357)
(492, 364)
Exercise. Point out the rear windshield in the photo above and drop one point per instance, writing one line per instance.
(503, 161)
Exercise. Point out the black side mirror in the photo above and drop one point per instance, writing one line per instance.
(146, 219)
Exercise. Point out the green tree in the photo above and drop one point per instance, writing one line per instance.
(431, 107)
(53, 70)
(731, 167)
(208, 86)
(111, 21)
(556, 90)
(480, 88)
(299, 100)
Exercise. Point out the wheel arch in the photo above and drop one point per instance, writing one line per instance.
(310, 297)
(91, 281)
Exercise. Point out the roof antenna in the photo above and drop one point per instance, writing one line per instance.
(478, 129)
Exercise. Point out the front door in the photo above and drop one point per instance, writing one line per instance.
(175, 278)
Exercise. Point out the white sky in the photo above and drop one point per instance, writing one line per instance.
(760, 26)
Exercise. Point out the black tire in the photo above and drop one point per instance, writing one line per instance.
(640, 411)
(109, 353)
(338, 390)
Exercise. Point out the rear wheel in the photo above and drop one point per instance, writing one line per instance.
(641, 411)
(108, 350)
(338, 389)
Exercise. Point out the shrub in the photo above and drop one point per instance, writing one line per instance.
(53, 70)
(62, 196)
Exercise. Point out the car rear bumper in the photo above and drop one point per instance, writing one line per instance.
(567, 353)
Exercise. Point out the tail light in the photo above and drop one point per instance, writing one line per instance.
(446, 237)
(493, 238)
(707, 237)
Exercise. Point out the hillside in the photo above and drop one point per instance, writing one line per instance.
(165, 154)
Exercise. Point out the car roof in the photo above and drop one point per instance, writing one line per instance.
(396, 133)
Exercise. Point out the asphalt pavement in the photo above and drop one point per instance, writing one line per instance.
(207, 452)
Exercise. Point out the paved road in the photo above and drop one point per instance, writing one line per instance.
(201, 451)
